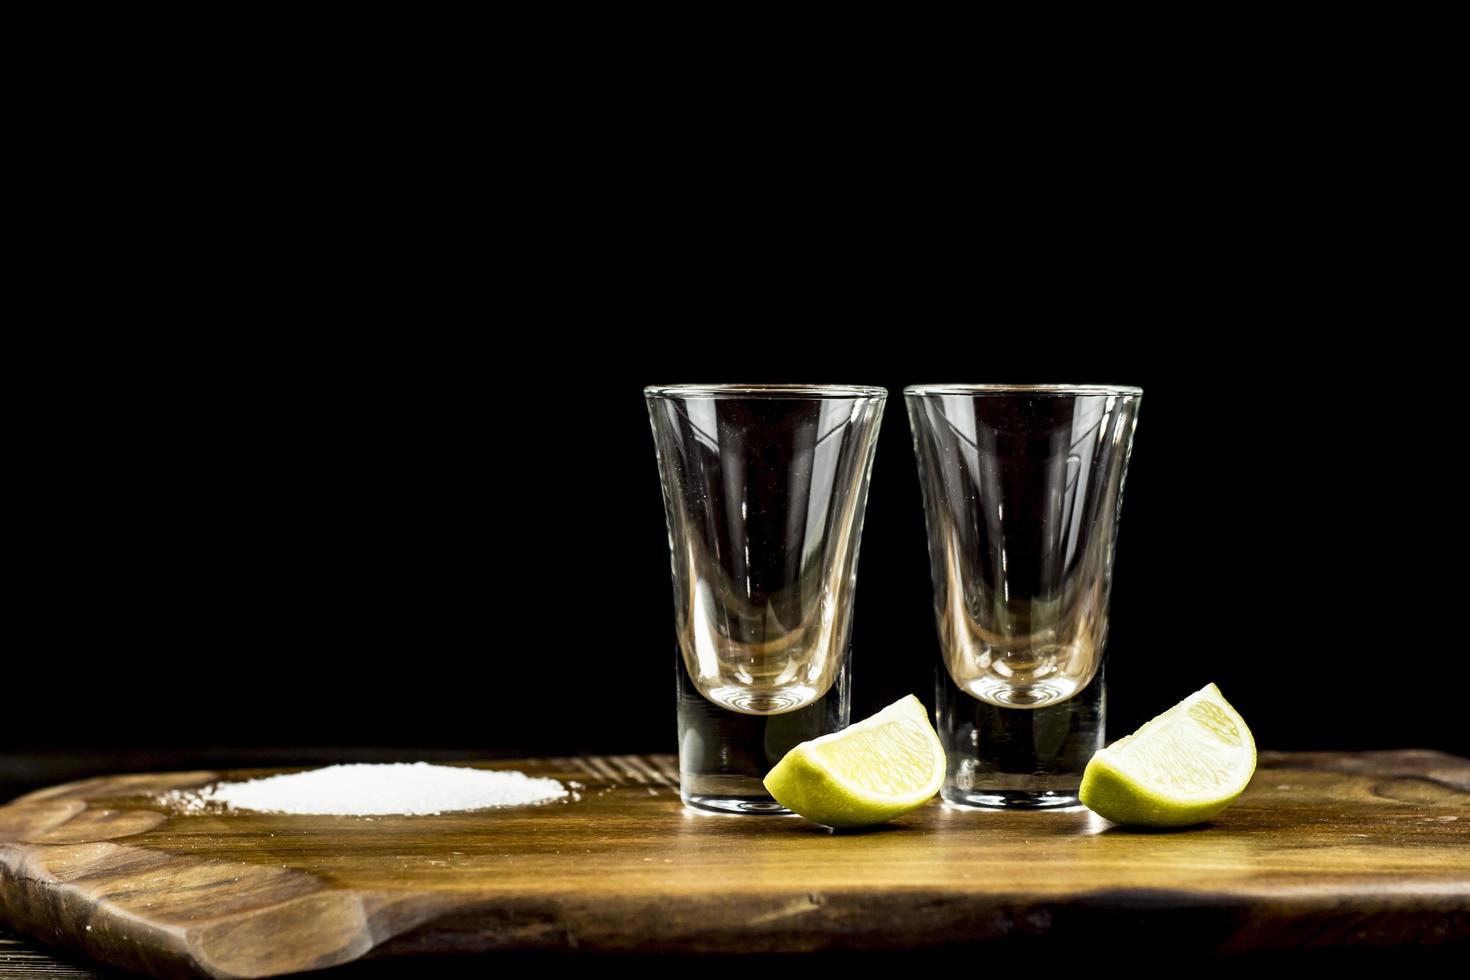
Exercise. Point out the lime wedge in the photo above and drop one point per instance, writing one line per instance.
(1183, 767)
(880, 768)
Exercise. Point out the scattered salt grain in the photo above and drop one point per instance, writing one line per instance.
(360, 789)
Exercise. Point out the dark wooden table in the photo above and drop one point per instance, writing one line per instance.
(22, 772)
(1357, 859)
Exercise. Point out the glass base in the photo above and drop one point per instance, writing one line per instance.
(1011, 799)
(761, 806)
(724, 755)
(1015, 758)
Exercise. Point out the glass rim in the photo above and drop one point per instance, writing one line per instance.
(1012, 389)
(764, 391)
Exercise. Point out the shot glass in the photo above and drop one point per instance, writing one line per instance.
(1022, 490)
(764, 490)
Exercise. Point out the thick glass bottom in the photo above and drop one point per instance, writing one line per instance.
(1017, 758)
(724, 755)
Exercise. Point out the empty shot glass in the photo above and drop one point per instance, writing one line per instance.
(764, 490)
(1022, 489)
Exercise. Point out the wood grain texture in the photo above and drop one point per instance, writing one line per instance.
(1324, 849)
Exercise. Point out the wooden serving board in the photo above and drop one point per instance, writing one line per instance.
(1324, 849)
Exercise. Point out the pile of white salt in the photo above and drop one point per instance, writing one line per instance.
(364, 789)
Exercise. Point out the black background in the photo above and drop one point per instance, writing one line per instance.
(325, 424)
(462, 547)
(334, 436)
